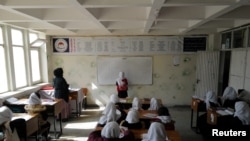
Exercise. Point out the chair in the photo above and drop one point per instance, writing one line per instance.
(85, 92)
(20, 126)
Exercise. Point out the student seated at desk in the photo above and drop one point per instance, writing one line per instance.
(244, 95)
(239, 122)
(132, 120)
(136, 104)
(165, 118)
(115, 99)
(240, 119)
(111, 132)
(156, 132)
(211, 101)
(154, 104)
(35, 107)
(110, 113)
(8, 129)
(228, 98)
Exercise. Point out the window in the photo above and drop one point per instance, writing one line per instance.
(22, 65)
(35, 67)
(239, 38)
(3, 72)
(226, 40)
(19, 58)
(35, 58)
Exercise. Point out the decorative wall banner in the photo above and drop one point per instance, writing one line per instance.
(118, 45)
(61, 45)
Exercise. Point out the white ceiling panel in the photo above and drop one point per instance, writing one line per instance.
(125, 17)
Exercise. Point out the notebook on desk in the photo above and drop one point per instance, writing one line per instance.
(11, 100)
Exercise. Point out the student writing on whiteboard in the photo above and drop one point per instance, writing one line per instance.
(122, 85)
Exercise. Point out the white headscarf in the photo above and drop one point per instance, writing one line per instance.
(111, 130)
(136, 104)
(114, 98)
(5, 114)
(132, 116)
(211, 97)
(229, 94)
(119, 79)
(110, 113)
(156, 132)
(154, 104)
(34, 99)
(165, 119)
(242, 111)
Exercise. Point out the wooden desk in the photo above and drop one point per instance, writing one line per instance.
(31, 122)
(172, 135)
(53, 108)
(214, 113)
(196, 105)
(146, 114)
(76, 98)
(145, 102)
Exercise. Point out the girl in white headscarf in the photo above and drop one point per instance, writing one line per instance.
(10, 134)
(114, 98)
(111, 132)
(132, 120)
(156, 132)
(229, 97)
(122, 85)
(136, 104)
(35, 107)
(211, 98)
(154, 104)
(110, 113)
(242, 111)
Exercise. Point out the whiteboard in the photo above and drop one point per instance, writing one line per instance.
(138, 70)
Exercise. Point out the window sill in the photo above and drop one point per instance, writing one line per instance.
(22, 92)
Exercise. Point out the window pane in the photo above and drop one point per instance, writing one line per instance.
(1, 35)
(3, 74)
(35, 65)
(17, 37)
(32, 37)
(19, 66)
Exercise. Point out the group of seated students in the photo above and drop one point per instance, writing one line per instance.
(114, 117)
(238, 121)
(13, 130)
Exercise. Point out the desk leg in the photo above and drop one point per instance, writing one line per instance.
(60, 120)
(76, 108)
(55, 131)
(192, 113)
(197, 116)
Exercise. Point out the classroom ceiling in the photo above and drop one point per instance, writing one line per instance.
(125, 17)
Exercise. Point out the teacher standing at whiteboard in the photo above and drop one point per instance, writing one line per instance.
(122, 85)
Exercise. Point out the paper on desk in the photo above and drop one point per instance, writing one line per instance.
(48, 102)
(123, 100)
(224, 112)
(150, 115)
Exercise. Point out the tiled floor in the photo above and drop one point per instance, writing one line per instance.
(78, 128)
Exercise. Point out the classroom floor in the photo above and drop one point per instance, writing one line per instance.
(78, 128)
